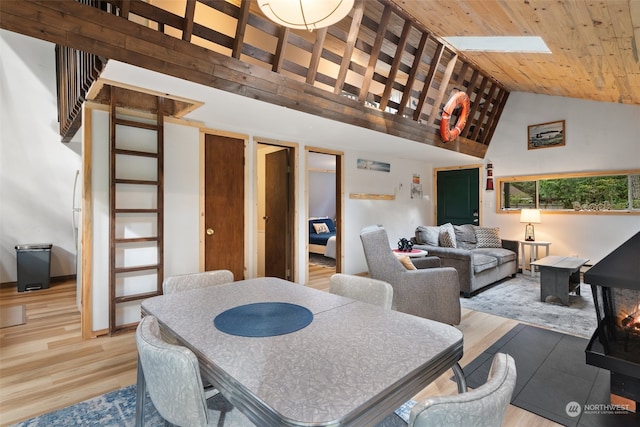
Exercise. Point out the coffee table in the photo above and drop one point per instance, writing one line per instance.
(555, 275)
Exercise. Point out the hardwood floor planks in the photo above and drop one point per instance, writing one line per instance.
(45, 365)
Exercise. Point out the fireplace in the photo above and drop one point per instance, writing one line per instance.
(615, 345)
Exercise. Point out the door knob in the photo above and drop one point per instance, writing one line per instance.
(210, 231)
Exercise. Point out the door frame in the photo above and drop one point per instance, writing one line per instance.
(339, 204)
(293, 190)
(202, 227)
(481, 179)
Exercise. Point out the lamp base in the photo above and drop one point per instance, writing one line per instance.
(529, 235)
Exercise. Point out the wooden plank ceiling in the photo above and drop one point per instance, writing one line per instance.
(379, 68)
(595, 44)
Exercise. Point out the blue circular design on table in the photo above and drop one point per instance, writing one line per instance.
(263, 319)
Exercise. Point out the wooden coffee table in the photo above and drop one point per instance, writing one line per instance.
(555, 274)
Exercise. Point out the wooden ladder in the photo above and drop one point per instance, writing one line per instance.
(136, 205)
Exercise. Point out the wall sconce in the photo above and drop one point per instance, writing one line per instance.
(529, 216)
(489, 175)
(305, 14)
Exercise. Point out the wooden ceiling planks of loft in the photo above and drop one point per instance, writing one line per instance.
(378, 68)
(595, 45)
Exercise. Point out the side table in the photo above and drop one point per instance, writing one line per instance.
(534, 247)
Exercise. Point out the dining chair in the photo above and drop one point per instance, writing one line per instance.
(172, 377)
(431, 293)
(484, 406)
(184, 282)
(363, 289)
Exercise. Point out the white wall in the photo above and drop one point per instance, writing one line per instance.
(37, 171)
(599, 136)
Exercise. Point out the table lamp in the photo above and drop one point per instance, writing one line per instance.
(529, 216)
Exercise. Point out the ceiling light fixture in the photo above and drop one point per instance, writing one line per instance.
(305, 14)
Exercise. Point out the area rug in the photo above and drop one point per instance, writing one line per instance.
(321, 260)
(12, 316)
(118, 409)
(519, 298)
(553, 380)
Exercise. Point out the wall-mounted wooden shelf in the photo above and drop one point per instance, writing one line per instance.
(372, 196)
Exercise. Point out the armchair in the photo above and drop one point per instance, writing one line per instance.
(431, 293)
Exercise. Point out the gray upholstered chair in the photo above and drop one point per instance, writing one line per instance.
(432, 293)
(184, 282)
(363, 289)
(172, 377)
(484, 406)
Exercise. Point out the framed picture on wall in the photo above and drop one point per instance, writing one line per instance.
(545, 135)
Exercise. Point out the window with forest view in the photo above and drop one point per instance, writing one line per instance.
(575, 193)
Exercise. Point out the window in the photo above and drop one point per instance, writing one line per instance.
(602, 192)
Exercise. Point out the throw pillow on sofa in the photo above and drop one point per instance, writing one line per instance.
(447, 237)
(465, 236)
(428, 235)
(488, 237)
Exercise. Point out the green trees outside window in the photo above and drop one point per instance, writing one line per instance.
(607, 192)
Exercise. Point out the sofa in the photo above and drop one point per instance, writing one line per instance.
(478, 254)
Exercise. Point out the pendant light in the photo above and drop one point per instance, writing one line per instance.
(305, 14)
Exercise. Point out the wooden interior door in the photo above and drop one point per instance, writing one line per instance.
(277, 233)
(458, 196)
(224, 204)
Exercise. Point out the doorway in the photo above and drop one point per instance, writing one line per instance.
(458, 196)
(275, 213)
(324, 206)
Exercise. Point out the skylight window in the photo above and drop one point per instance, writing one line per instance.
(499, 44)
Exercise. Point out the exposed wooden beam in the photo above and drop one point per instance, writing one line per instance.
(238, 41)
(435, 61)
(444, 84)
(321, 35)
(417, 60)
(375, 51)
(189, 13)
(397, 60)
(358, 13)
(278, 58)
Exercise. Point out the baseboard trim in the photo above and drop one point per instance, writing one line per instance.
(55, 279)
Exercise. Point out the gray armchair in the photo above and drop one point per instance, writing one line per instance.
(484, 406)
(173, 381)
(184, 282)
(431, 293)
(363, 289)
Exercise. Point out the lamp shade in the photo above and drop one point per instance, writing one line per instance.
(305, 14)
(531, 216)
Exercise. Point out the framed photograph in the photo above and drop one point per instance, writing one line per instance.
(374, 165)
(546, 135)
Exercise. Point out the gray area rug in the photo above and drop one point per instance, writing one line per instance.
(318, 259)
(519, 298)
(118, 409)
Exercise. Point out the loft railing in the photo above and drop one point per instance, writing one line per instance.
(377, 58)
(75, 72)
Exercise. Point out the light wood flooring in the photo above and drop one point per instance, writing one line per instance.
(45, 365)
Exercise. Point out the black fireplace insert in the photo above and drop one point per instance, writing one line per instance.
(615, 345)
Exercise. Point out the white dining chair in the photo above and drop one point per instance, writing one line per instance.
(172, 377)
(363, 289)
(185, 282)
(484, 406)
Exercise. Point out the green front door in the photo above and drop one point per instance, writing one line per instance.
(458, 194)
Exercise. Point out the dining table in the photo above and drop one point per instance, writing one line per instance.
(348, 363)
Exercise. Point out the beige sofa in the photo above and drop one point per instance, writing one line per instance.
(478, 254)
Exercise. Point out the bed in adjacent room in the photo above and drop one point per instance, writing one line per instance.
(322, 237)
